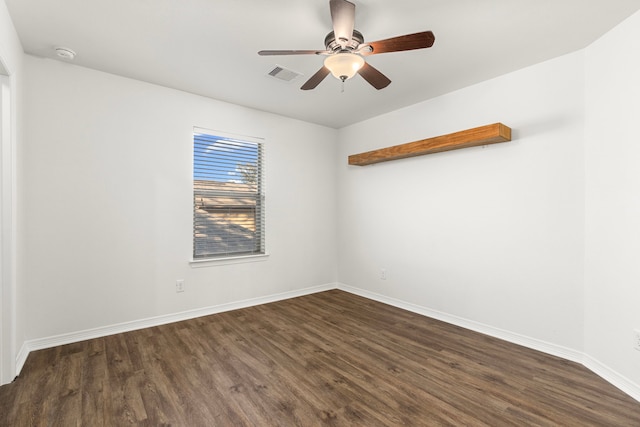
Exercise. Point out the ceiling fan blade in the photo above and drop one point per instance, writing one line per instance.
(292, 52)
(316, 79)
(397, 44)
(343, 16)
(374, 77)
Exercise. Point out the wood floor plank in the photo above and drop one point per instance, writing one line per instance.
(124, 401)
(388, 359)
(327, 359)
(94, 377)
(358, 373)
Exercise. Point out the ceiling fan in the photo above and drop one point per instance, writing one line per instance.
(345, 48)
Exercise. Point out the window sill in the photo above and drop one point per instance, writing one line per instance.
(212, 262)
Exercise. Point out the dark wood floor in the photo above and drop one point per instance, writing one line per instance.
(326, 359)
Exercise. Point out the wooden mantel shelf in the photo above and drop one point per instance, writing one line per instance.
(483, 135)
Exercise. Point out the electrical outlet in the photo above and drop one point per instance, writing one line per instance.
(180, 285)
(383, 274)
(636, 339)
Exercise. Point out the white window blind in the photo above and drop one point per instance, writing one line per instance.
(228, 198)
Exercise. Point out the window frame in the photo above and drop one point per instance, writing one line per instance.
(260, 208)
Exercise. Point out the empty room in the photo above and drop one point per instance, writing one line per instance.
(319, 212)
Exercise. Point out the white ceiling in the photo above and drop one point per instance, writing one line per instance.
(209, 47)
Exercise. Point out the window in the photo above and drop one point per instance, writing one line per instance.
(228, 198)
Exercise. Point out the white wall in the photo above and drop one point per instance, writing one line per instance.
(612, 285)
(491, 235)
(109, 205)
(11, 325)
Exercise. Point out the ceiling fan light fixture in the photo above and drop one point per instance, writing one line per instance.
(344, 65)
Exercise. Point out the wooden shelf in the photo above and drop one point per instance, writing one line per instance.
(483, 135)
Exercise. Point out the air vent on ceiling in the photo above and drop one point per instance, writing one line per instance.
(283, 74)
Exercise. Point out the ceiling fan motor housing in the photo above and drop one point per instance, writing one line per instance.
(332, 45)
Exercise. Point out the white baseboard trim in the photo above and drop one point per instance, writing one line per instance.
(21, 358)
(103, 331)
(609, 375)
(619, 381)
(512, 337)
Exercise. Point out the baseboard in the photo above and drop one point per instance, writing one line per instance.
(103, 331)
(21, 357)
(609, 375)
(512, 337)
(619, 381)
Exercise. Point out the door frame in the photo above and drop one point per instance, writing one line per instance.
(8, 227)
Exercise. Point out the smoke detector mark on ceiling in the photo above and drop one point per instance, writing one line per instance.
(283, 74)
(65, 53)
